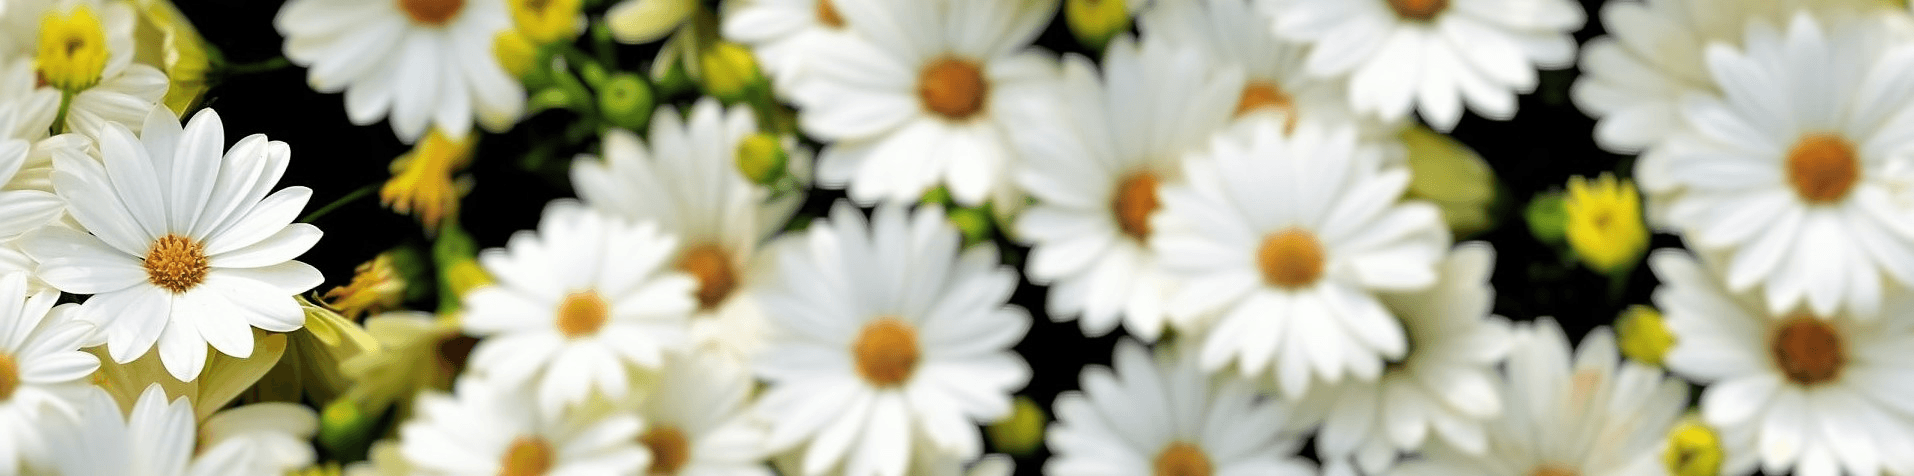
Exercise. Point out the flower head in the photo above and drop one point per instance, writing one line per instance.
(1605, 225)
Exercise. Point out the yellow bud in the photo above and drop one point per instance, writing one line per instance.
(1094, 22)
(72, 50)
(515, 53)
(466, 275)
(1693, 449)
(728, 71)
(761, 158)
(1446, 172)
(1642, 334)
(1022, 433)
(377, 286)
(165, 39)
(546, 21)
(1605, 226)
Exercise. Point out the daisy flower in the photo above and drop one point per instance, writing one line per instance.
(1166, 416)
(576, 305)
(43, 373)
(920, 96)
(1431, 55)
(1095, 169)
(1823, 394)
(1283, 241)
(182, 245)
(783, 34)
(1589, 414)
(420, 62)
(1445, 385)
(1267, 72)
(484, 429)
(161, 438)
(1793, 172)
(83, 52)
(697, 421)
(687, 181)
(886, 337)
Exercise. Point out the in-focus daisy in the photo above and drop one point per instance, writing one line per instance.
(183, 246)
(159, 438)
(783, 34)
(83, 51)
(1095, 168)
(1266, 73)
(688, 182)
(1432, 55)
(1166, 416)
(885, 337)
(414, 62)
(485, 429)
(920, 96)
(1823, 394)
(1445, 386)
(697, 422)
(1283, 240)
(577, 304)
(1589, 414)
(42, 371)
(1793, 172)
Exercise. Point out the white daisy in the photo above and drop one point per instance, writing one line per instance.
(886, 337)
(576, 305)
(42, 370)
(687, 181)
(1444, 386)
(1095, 169)
(1432, 55)
(182, 247)
(1793, 172)
(485, 429)
(1267, 72)
(918, 98)
(784, 34)
(1823, 394)
(1168, 417)
(27, 110)
(1633, 80)
(85, 49)
(159, 438)
(1586, 416)
(414, 62)
(1283, 240)
(697, 423)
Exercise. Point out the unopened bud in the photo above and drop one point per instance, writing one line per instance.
(625, 100)
(761, 158)
(728, 71)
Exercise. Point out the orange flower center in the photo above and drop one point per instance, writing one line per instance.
(1291, 258)
(1808, 350)
(886, 352)
(582, 314)
(953, 88)
(431, 12)
(9, 376)
(1552, 470)
(1418, 10)
(1258, 95)
(827, 14)
(176, 263)
(670, 450)
(1182, 459)
(1822, 168)
(528, 456)
(1134, 201)
(712, 267)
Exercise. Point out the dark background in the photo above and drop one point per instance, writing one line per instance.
(1548, 141)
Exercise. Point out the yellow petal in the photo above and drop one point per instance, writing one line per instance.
(645, 21)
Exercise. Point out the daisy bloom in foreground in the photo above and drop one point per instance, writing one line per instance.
(886, 337)
(1825, 394)
(1445, 386)
(1590, 414)
(485, 429)
(1095, 169)
(1792, 172)
(84, 49)
(920, 97)
(43, 373)
(687, 180)
(1283, 241)
(697, 421)
(160, 438)
(1166, 416)
(1432, 55)
(576, 305)
(182, 246)
(420, 62)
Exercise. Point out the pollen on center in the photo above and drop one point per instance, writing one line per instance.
(1823, 168)
(1261, 95)
(670, 450)
(431, 12)
(582, 313)
(176, 263)
(1291, 258)
(9, 376)
(1133, 203)
(712, 267)
(1182, 459)
(886, 352)
(1553, 470)
(1418, 10)
(72, 49)
(827, 14)
(953, 88)
(528, 456)
(1807, 350)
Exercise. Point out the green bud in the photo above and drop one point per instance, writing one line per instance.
(1547, 215)
(761, 158)
(626, 101)
(728, 71)
(1021, 434)
(1094, 22)
(937, 195)
(344, 429)
(975, 223)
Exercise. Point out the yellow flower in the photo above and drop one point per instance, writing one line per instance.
(1605, 225)
(1643, 336)
(515, 53)
(167, 41)
(72, 53)
(1693, 449)
(422, 179)
(377, 286)
(546, 21)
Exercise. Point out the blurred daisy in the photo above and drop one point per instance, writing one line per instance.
(885, 337)
(1432, 55)
(696, 420)
(27, 110)
(83, 51)
(182, 247)
(22, 210)
(1793, 171)
(1095, 169)
(920, 97)
(577, 304)
(1583, 415)
(1445, 385)
(1824, 394)
(1166, 416)
(485, 429)
(1283, 240)
(160, 438)
(1604, 225)
(784, 34)
(43, 373)
(1266, 72)
(688, 182)
(420, 62)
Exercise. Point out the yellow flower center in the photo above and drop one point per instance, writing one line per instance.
(1291, 258)
(886, 352)
(9, 376)
(1258, 95)
(953, 88)
(712, 267)
(1552, 470)
(72, 53)
(1807, 350)
(431, 12)
(582, 314)
(176, 263)
(1134, 201)
(1182, 459)
(1693, 450)
(670, 450)
(827, 14)
(1823, 167)
(1418, 10)
(528, 456)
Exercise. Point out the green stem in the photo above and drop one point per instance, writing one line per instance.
(59, 119)
(362, 192)
(266, 66)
